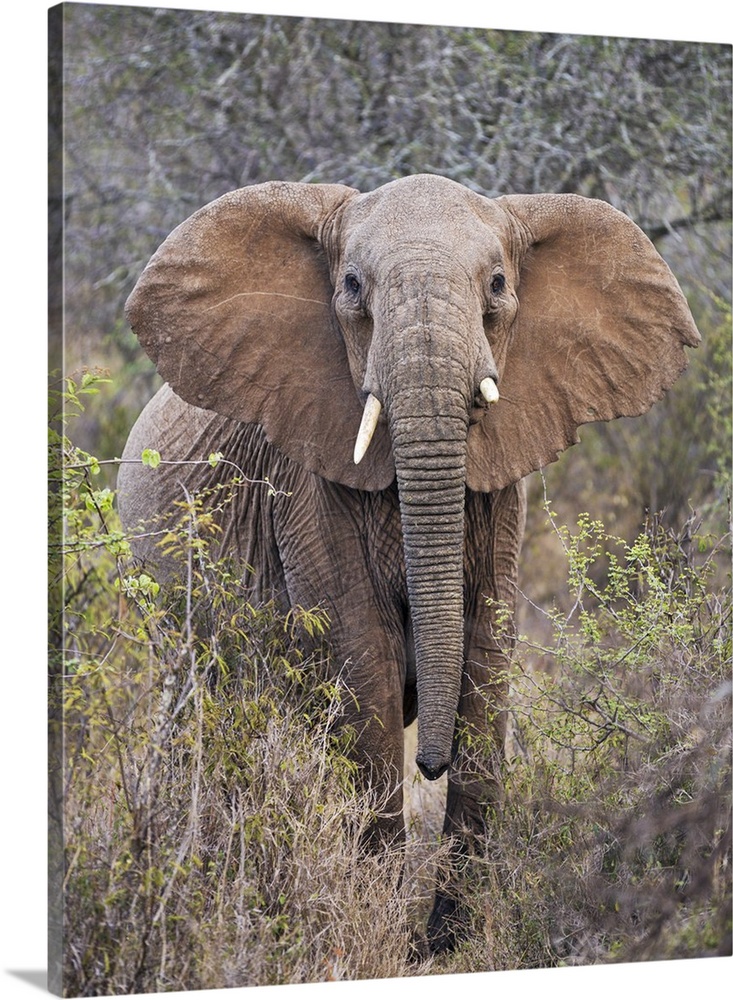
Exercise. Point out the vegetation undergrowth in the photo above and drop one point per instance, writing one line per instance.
(614, 839)
(208, 822)
(211, 830)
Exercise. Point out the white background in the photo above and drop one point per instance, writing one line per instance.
(22, 484)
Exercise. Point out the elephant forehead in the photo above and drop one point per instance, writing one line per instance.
(423, 214)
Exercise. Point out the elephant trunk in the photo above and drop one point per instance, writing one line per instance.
(428, 368)
(431, 481)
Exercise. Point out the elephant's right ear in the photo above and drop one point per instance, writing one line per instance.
(235, 311)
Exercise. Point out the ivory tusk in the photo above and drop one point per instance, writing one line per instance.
(488, 390)
(372, 409)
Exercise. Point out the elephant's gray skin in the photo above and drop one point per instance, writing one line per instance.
(281, 308)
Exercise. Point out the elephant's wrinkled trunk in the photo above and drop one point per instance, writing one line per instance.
(427, 377)
(431, 480)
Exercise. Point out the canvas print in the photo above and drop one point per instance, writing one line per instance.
(390, 482)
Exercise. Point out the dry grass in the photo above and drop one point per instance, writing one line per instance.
(222, 845)
(212, 832)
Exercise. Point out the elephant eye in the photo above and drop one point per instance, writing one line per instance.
(352, 284)
(497, 284)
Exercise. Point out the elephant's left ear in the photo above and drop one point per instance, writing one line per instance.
(235, 310)
(600, 332)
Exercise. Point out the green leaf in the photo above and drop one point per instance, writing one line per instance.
(100, 500)
(151, 457)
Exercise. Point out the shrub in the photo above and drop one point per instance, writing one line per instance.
(211, 832)
(614, 840)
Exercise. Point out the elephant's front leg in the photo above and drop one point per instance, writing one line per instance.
(372, 709)
(474, 793)
(340, 551)
(494, 532)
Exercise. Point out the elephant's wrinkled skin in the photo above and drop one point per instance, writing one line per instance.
(282, 309)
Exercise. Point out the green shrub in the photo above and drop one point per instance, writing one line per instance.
(614, 841)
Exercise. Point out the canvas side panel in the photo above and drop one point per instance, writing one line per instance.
(55, 596)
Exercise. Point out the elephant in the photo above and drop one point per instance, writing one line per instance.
(396, 362)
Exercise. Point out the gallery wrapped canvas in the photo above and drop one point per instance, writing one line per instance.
(389, 499)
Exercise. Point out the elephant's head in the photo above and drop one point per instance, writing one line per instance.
(303, 307)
